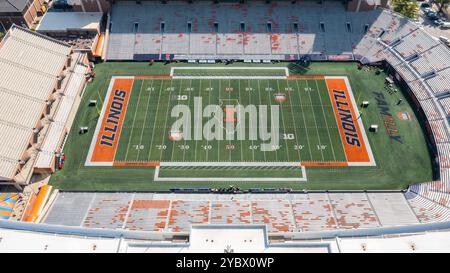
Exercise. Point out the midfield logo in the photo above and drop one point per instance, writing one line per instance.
(227, 122)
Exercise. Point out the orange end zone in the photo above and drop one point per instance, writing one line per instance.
(137, 164)
(113, 117)
(351, 136)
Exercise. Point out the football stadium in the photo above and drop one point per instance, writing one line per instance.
(223, 126)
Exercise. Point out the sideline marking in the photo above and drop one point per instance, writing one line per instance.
(136, 164)
(157, 178)
(101, 155)
(323, 163)
(153, 77)
(306, 77)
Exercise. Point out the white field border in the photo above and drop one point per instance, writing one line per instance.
(360, 123)
(156, 177)
(172, 71)
(99, 125)
(230, 164)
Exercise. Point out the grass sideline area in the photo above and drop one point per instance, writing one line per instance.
(398, 164)
(233, 72)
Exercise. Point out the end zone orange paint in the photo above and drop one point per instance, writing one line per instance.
(353, 153)
(105, 153)
(137, 164)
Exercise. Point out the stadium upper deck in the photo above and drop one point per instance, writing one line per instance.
(254, 30)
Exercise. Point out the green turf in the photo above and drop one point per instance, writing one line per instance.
(231, 172)
(398, 165)
(230, 72)
(307, 115)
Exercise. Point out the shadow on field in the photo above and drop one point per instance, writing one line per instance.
(299, 68)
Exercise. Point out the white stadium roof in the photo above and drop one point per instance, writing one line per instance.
(213, 239)
(61, 21)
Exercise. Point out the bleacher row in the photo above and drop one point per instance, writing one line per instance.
(30, 64)
(280, 212)
(68, 100)
(232, 31)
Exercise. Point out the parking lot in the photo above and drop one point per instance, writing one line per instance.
(430, 26)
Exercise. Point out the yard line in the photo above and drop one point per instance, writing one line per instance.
(293, 119)
(145, 118)
(218, 143)
(284, 125)
(134, 119)
(239, 90)
(249, 100)
(165, 124)
(304, 121)
(209, 103)
(188, 104)
(326, 123)
(154, 122)
(229, 99)
(268, 94)
(260, 103)
(196, 141)
(315, 121)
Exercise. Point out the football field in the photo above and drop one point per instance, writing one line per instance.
(317, 122)
(323, 133)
